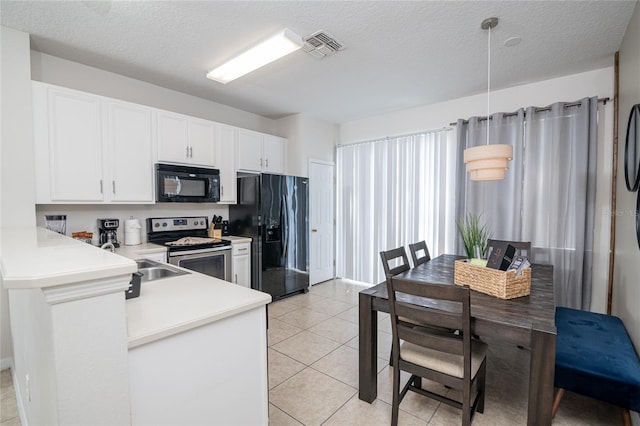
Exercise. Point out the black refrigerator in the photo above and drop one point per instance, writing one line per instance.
(273, 211)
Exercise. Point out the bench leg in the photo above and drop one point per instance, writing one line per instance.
(626, 417)
(556, 401)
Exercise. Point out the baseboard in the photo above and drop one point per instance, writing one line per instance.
(635, 418)
(19, 402)
(6, 363)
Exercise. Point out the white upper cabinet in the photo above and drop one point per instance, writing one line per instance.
(261, 153)
(90, 149)
(186, 140)
(129, 152)
(273, 151)
(202, 142)
(68, 145)
(226, 151)
(249, 151)
(173, 137)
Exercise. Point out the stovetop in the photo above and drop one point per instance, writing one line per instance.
(169, 229)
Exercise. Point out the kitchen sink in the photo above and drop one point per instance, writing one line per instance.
(152, 270)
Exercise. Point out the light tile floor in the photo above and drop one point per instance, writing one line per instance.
(313, 373)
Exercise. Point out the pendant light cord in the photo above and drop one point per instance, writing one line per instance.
(488, 83)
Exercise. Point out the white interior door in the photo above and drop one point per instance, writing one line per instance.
(321, 220)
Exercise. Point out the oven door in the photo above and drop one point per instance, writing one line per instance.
(213, 262)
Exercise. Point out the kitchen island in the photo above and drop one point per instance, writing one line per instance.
(198, 352)
(191, 349)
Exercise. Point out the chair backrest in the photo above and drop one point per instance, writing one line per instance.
(390, 256)
(523, 248)
(416, 250)
(432, 306)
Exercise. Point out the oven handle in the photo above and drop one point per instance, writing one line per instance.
(199, 251)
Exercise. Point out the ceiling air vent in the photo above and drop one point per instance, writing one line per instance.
(321, 44)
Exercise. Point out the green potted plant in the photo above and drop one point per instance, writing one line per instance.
(474, 234)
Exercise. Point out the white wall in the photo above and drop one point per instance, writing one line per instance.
(308, 138)
(16, 153)
(84, 217)
(626, 287)
(61, 72)
(569, 88)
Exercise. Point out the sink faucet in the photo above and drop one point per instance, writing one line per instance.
(109, 246)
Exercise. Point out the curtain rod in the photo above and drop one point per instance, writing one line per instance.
(386, 138)
(511, 114)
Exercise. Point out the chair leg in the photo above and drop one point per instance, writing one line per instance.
(556, 401)
(481, 386)
(626, 417)
(417, 382)
(395, 405)
(466, 411)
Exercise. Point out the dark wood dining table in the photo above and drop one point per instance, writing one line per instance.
(527, 321)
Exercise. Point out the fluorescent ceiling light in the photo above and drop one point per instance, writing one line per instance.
(277, 46)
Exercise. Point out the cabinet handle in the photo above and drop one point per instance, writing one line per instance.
(236, 281)
(191, 151)
(242, 249)
(314, 230)
(101, 186)
(260, 161)
(267, 163)
(113, 184)
(222, 190)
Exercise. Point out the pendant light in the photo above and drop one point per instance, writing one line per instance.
(490, 161)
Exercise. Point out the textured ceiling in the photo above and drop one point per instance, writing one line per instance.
(397, 54)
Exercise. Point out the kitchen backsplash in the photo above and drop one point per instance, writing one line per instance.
(84, 217)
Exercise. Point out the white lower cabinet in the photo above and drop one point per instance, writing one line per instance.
(241, 264)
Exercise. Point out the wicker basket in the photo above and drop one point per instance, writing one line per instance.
(501, 284)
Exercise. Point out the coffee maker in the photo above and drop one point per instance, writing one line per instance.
(109, 231)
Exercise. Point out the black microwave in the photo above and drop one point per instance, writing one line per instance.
(185, 184)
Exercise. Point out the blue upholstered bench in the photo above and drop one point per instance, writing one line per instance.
(595, 357)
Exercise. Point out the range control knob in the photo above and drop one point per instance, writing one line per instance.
(156, 225)
(202, 222)
(164, 224)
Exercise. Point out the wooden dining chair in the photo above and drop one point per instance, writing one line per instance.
(456, 361)
(416, 250)
(390, 257)
(523, 248)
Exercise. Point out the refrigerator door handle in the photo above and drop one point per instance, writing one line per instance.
(284, 240)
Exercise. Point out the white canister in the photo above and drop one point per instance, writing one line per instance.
(132, 231)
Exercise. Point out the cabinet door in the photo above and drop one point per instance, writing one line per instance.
(249, 150)
(172, 137)
(227, 140)
(242, 270)
(202, 138)
(274, 154)
(75, 146)
(129, 148)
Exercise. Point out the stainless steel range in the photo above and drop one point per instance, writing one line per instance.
(189, 246)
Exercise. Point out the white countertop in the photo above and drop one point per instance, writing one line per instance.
(33, 257)
(235, 239)
(173, 305)
(134, 252)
